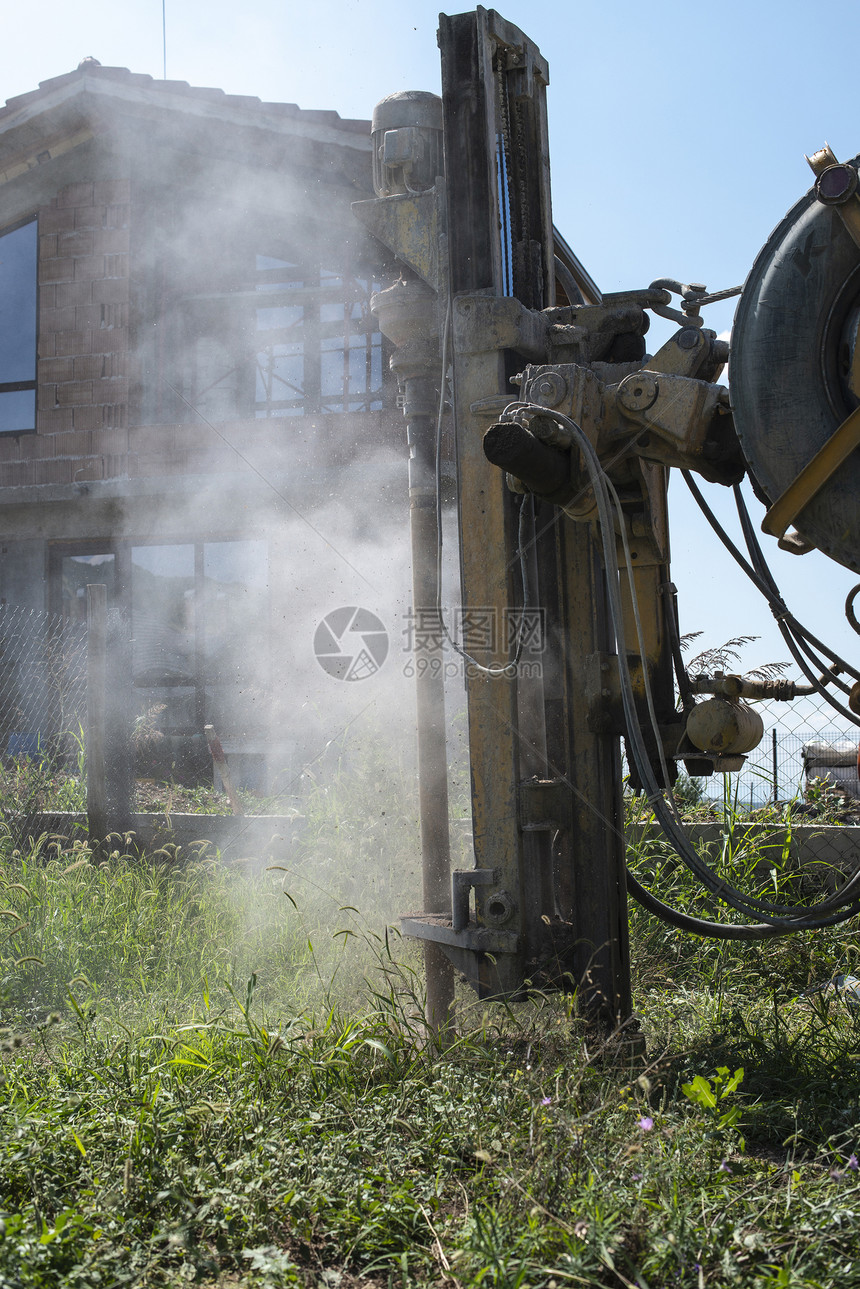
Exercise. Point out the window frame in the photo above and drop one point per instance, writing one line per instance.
(230, 316)
(121, 550)
(22, 386)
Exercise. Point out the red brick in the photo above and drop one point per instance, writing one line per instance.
(80, 194)
(88, 267)
(71, 342)
(110, 441)
(112, 391)
(53, 471)
(89, 317)
(54, 369)
(116, 466)
(114, 315)
(111, 241)
(116, 415)
(93, 469)
(90, 217)
(87, 417)
(80, 242)
(108, 341)
(75, 391)
(47, 245)
(111, 291)
(56, 319)
(172, 463)
(56, 270)
(117, 217)
(17, 474)
(76, 443)
(146, 439)
(112, 192)
(32, 447)
(73, 293)
(41, 447)
(116, 265)
(53, 420)
(54, 220)
(89, 367)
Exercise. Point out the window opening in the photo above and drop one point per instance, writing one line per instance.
(315, 353)
(77, 572)
(18, 313)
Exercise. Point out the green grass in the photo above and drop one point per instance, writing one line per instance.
(218, 1076)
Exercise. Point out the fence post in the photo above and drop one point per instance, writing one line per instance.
(119, 768)
(775, 769)
(96, 711)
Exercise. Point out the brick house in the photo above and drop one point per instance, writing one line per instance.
(191, 381)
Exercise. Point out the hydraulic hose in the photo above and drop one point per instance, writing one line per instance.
(780, 919)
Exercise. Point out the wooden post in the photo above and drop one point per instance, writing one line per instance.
(219, 760)
(96, 711)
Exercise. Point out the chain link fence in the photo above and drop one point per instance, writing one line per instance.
(43, 714)
(800, 784)
(786, 764)
(797, 797)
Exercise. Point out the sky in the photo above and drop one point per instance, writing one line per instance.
(677, 137)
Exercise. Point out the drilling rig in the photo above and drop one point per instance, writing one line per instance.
(565, 430)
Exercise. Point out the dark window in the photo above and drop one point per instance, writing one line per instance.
(199, 626)
(18, 260)
(201, 639)
(77, 572)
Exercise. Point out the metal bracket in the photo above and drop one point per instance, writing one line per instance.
(410, 225)
(478, 939)
(462, 881)
(813, 476)
(484, 324)
(603, 692)
(544, 805)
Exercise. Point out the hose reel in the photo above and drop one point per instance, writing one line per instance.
(795, 369)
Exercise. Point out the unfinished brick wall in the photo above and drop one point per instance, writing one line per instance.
(85, 356)
(82, 397)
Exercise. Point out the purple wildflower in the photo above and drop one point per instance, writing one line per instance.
(548, 1101)
(646, 1123)
(853, 1164)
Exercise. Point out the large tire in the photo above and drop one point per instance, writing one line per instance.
(787, 368)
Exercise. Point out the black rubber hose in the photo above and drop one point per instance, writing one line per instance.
(783, 918)
(719, 930)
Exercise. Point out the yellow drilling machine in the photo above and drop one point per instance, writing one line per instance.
(563, 431)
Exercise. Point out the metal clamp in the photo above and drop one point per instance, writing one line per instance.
(693, 296)
(694, 290)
